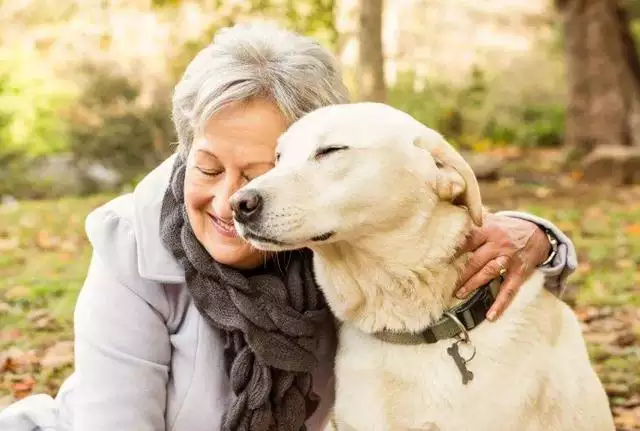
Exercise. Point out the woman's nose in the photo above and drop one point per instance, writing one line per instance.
(221, 201)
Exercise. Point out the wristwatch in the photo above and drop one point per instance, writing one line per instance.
(554, 246)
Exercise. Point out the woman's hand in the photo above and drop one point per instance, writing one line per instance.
(502, 246)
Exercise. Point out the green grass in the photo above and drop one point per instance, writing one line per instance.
(604, 224)
(44, 256)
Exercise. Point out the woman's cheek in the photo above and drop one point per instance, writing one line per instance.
(197, 192)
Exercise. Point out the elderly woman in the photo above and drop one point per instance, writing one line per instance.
(168, 331)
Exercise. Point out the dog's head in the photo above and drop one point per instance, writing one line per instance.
(348, 171)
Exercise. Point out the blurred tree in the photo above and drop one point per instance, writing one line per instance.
(370, 69)
(603, 72)
(315, 18)
(312, 17)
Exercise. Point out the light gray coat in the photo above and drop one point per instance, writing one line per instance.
(145, 359)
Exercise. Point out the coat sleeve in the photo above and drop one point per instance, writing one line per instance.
(563, 264)
(122, 347)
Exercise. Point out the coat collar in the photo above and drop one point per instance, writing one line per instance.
(155, 262)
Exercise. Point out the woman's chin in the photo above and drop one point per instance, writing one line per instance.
(235, 253)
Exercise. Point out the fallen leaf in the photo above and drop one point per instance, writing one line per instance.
(616, 389)
(506, 182)
(10, 334)
(584, 268)
(66, 257)
(599, 337)
(68, 246)
(41, 319)
(23, 388)
(595, 212)
(542, 192)
(8, 244)
(59, 355)
(37, 314)
(625, 339)
(634, 401)
(590, 314)
(28, 220)
(633, 229)
(625, 263)
(17, 292)
(5, 308)
(45, 241)
(576, 175)
(47, 322)
(16, 361)
(627, 419)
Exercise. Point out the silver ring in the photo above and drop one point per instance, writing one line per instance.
(502, 271)
(463, 334)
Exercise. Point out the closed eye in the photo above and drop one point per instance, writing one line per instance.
(322, 152)
(209, 173)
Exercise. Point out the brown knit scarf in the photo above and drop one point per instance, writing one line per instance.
(272, 320)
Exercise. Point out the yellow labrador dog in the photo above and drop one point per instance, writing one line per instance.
(383, 202)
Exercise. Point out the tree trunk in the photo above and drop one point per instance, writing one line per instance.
(603, 72)
(370, 69)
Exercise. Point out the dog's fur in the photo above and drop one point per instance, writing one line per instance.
(384, 218)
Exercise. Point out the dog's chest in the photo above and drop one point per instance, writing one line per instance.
(389, 387)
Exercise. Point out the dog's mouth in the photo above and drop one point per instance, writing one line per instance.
(249, 235)
(260, 240)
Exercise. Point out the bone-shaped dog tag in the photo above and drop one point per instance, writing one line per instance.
(461, 363)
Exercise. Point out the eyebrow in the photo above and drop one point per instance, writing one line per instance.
(246, 165)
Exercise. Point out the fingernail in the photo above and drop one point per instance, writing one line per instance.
(491, 315)
(461, 294)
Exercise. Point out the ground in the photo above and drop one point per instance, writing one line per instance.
(44, 256)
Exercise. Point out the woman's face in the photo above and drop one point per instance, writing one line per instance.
(238, 144)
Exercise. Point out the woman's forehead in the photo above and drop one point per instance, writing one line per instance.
(244, 134)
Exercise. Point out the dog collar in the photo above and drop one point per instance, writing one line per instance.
(454, 323)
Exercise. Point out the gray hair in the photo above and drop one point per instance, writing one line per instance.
(250, 61)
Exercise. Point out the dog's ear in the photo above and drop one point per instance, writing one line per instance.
(456, 181)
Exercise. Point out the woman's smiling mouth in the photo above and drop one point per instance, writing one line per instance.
(225, 229)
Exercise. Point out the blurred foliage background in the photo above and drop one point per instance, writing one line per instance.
(87, 84)
(541, 96)
(91, 80)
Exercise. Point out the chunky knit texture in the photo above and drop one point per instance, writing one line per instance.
(272, 319)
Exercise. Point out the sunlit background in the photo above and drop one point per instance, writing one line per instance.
(542, 97)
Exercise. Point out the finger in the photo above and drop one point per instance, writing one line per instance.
(474, 240)
(487, 273)
(479, 260)
(512, 282)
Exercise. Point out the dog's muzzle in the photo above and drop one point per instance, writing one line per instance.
(246, 205)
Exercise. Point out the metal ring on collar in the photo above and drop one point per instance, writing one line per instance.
(464, 334)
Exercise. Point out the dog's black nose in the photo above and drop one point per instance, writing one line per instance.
(246, 205)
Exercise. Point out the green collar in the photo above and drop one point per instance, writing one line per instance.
(469, 314)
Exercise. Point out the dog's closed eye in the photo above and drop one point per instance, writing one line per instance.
(325, 151)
